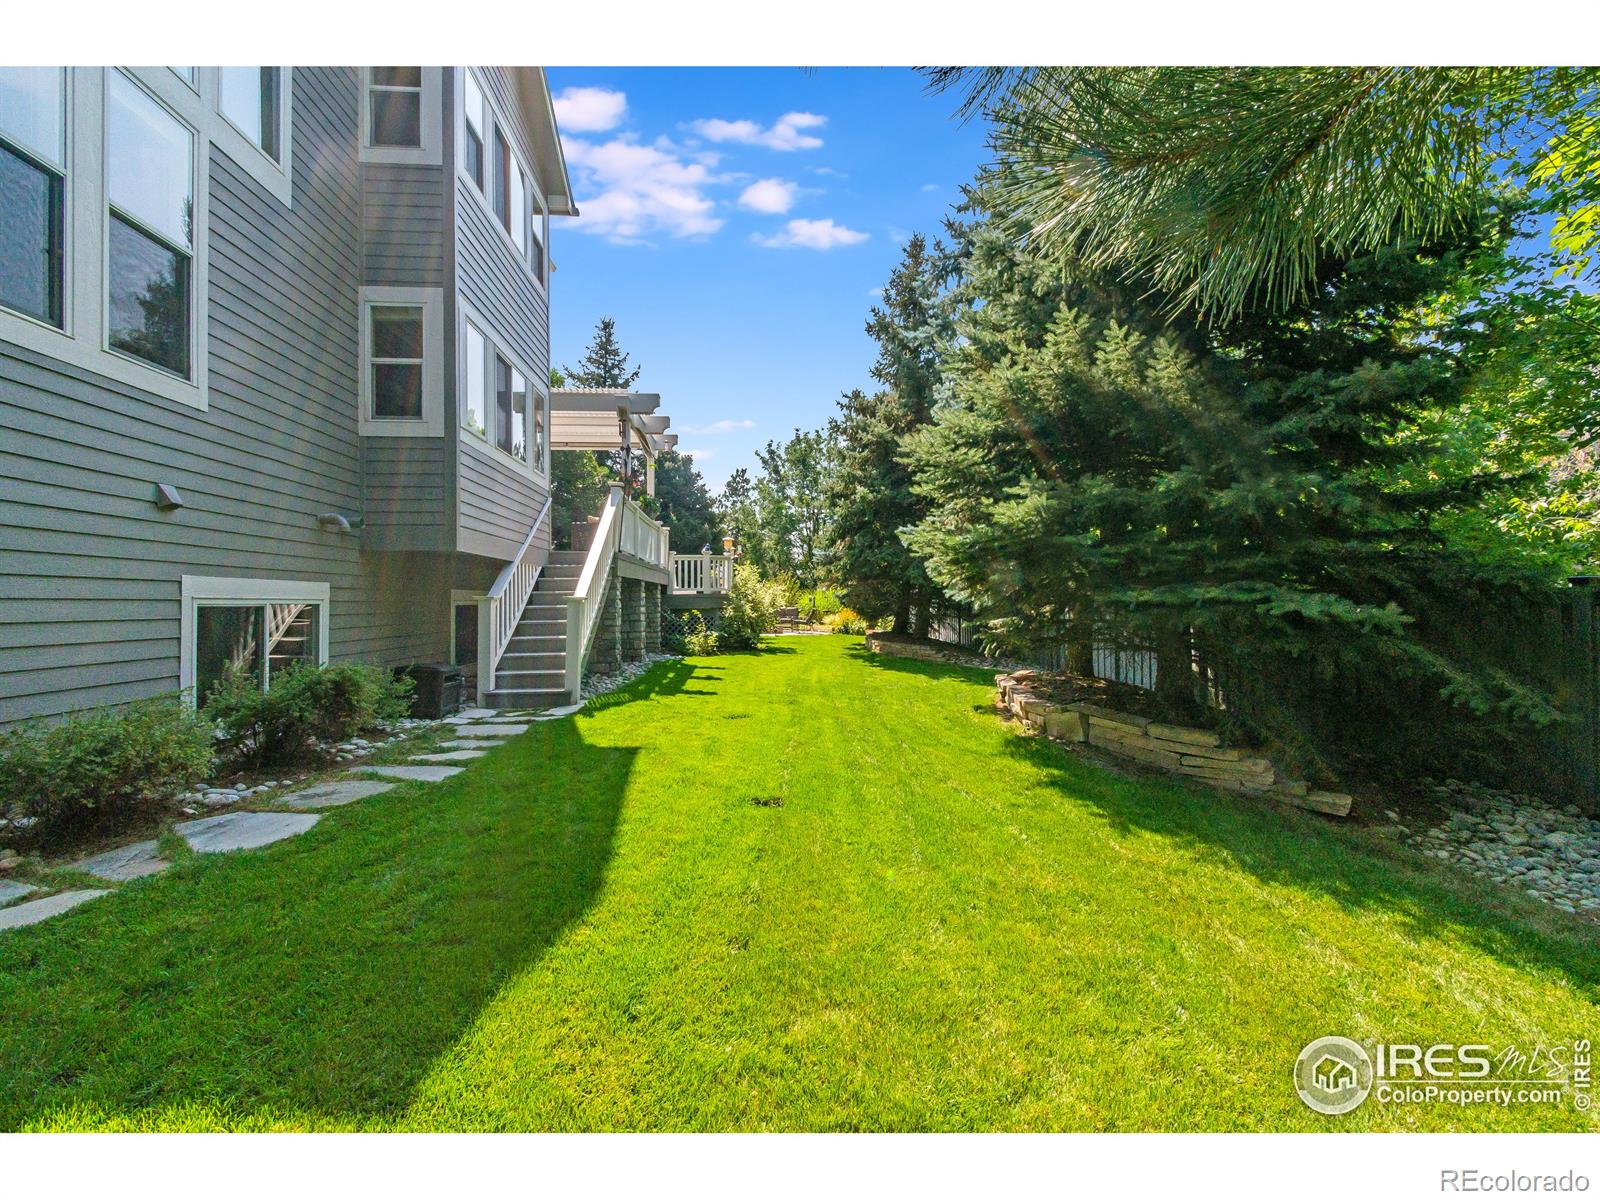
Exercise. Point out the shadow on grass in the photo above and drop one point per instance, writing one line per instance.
(1310, 853)
(316, 980)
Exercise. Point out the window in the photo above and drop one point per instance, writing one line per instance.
(402, 362)
(476, 121)
(32, 191)
(500, 402)
(251, 628)
(502, 178)
(475, 412)
(150, 230)
(536, 238)
(519, 208)
(248, 96)
(511, 409)
(394, 107)
(395, 359)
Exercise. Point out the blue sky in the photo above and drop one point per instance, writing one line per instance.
(735, 223)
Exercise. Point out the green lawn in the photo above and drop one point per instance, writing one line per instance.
(930, 922)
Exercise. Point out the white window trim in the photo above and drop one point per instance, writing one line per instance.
(277, 177)
(537, 387)
(83, 341)
(431, 151)
(204, 590)
(539, 207)
(431, 301)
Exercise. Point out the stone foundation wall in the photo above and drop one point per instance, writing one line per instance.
(652, 618)
(606, 654)
(1194, 753)
(632, 619)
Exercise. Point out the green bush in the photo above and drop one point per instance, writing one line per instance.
(846, 620)
(752, 608)
(698, 639)
(91, 773)
(306, 706)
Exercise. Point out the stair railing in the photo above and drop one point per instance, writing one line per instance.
(500, 608)
(588, 599)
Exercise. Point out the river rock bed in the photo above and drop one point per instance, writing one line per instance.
(1549, 851)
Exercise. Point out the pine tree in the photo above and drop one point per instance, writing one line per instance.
(605, 363)
(870, 496)
(1092, 467)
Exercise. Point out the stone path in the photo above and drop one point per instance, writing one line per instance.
(10, 891)
(497, 730)
(332, 795)
(478, 731)
(124, 863)
(35, 911)
(242, 830)
(423, 773)
(552, 714)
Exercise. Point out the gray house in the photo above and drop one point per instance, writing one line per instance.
(274, 355)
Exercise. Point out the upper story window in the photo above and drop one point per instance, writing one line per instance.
(519, 207)
(536, 256)
(33, 157)
(475, 119)
(499, 401)
(402, 362)
(502, 178)
(394, 106)
(150, 227)
(248, 96)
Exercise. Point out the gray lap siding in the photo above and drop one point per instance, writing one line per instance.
(90, 569)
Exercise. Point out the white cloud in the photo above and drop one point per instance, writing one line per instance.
(930, 187)
(769, 196)
(783, 134)
(812, 235)
(698, 455)
(590, 109)
(627, 191)
(718, 427)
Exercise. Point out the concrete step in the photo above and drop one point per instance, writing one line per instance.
(532, 629)
(562, 570)
(567, 556)
(555, 661)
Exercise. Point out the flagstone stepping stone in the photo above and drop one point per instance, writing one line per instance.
(450, 756)
(468, 715)
(124, 863)
(566, 710)
(11, 890)
(425, 774)
(242, 830)
(493, 731)
(331, 795)
(35, 911)
(468, 744)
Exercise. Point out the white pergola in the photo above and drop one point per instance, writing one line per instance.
(611, 419)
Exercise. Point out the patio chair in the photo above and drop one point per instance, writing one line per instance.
(788, 618)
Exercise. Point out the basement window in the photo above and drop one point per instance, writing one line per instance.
(251, 630)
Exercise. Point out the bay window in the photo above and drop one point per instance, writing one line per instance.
(500, 403)
(149, 227)
(519, 208)
(502, 179)
(33, 159)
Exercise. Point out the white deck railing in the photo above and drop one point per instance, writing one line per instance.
(642, 536)
(501, 607)
(702, 574)
(588, 598)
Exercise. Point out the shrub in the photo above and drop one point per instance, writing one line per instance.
(91, 773)
(306, 706)
(846, 620)
(752, 608)
(698, 639)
